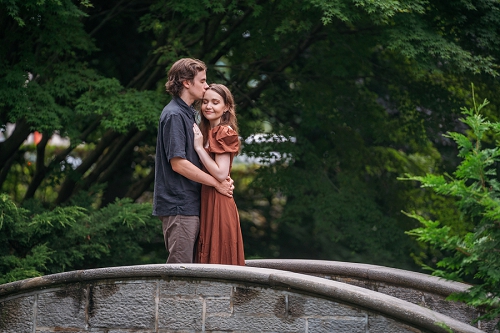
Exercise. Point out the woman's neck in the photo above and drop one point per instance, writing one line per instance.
(214, 123)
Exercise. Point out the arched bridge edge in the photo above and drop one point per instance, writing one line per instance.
(356, 296)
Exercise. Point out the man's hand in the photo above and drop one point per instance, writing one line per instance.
(192, 172)
(226, 187)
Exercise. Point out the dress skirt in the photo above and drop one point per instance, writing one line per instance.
(220, 240)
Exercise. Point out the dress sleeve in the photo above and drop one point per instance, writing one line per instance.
(223, 139)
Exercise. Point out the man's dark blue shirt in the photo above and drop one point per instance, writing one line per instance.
(174, 194)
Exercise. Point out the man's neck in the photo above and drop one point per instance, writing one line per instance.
(186, 97)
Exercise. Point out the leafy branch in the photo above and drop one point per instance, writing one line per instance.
(475, 255)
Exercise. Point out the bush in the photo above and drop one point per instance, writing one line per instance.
(474, 255)
(35, 241)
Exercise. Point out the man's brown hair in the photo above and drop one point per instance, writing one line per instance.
(182, 70)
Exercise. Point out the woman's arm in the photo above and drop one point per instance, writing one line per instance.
(219, 168)
(192, 172)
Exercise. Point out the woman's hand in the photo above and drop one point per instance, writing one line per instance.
(218, 167)
(198, 137)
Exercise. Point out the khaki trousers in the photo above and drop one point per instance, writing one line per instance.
(180, 233)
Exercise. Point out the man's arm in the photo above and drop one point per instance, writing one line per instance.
(192, 172)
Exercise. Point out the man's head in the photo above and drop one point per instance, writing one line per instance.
(182, 75)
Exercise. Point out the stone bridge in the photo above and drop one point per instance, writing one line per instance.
(265, 296)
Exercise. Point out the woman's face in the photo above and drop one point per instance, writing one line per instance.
(213, 107)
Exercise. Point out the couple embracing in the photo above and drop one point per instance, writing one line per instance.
(193, 192)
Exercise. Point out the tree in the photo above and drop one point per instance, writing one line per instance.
(473, 255)
(363, 88)
(35, 242)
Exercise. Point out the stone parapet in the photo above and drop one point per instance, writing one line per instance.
(206, 298)
(421, 289)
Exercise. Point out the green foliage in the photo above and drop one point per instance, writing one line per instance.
(446, 327)
(35, 241)
(119, 109)
(364, 88)
(474, 255)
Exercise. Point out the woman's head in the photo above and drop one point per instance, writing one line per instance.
(184, 69)
(217, 107)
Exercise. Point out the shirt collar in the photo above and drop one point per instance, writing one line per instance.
(188, 110)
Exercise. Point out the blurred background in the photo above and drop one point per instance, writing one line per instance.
(335, 101)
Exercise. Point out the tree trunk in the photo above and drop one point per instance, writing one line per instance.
(13, 142)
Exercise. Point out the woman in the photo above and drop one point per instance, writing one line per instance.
(216, 142)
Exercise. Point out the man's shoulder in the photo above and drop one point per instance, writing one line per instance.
(171, 109)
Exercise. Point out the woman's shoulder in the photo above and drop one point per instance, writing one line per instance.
(223, 139)
(225, 130)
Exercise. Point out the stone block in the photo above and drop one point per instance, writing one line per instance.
(218, 305)
(255, 324)
(177, 288)
(300, 306)
(455, 310)
(61, 330)
(180, 314)
(337, 325)
(16, 315)
(356, 282)
(409, 295)
(213, 288)
(379, 324)
(258, 301)
(127, 331)
(64, 308)
(122, 305)
(488, 326)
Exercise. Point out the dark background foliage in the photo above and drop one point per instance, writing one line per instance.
(349, 95)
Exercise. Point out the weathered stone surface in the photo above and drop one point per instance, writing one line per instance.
(379, 324)
(337, 325)
(177, 287)
(255, 324)
(16, 315)
(456, 310)
(122, 305)
(356, 282)
(62, 330)
(489, 326)
(413, 296)
(307, 306)
(128, 331)
(417, 288)
(64, 308)
(258, 301)
(218, 305)
(216, 298)
(213, 288)
(180, 314)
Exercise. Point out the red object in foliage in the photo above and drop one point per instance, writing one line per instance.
(37, 137)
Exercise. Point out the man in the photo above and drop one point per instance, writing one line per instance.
(178, 176)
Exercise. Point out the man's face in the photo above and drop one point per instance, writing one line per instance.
(199, 85)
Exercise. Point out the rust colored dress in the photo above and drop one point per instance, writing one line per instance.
(220, 240)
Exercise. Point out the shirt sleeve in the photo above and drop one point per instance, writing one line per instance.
(174, 137)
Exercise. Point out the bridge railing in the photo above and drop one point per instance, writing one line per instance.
(422, 289)
(205, 298)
